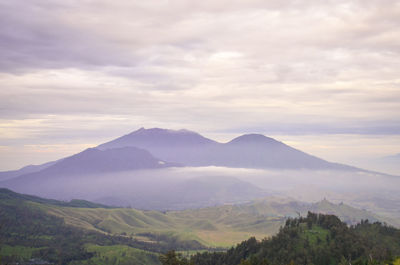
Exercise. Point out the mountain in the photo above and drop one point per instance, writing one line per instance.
(181, 146)
(157, 137)
(259, 151)
(93, 160)
(25, 170)
(129, 176)
(395, 157)
(390, 164)
(81, 175)
(247, 151)
(132, 171)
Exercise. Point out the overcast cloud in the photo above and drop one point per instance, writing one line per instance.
(76, 73)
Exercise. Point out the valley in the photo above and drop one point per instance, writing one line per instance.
(208, 132)
(131, 199)
(142, 235)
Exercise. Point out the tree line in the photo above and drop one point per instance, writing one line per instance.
(315, 239)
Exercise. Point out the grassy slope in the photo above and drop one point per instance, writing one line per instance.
(317, 239)
(21, 251)
(6, 194)
(119, 254)
(220, 226)
(26, 231)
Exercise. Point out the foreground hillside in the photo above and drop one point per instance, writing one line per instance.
(81, 232)
(316, 239)
(28, 231)
(221, 226)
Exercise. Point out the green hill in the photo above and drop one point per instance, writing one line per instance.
(220, 226)
(316, 239)
(6, 194)
(64, 232)
(28, 231)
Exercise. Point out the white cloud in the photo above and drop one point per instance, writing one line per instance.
(293, 67)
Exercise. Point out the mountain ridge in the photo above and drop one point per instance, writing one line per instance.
(93, 160)
(148, 137)
(248, 150)
(119, 174)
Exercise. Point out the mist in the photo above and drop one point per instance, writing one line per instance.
(178, 188)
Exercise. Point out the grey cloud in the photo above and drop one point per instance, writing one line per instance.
(149, 41)
(33, 36)
(389, 127)
(317, 66)
(41, 34)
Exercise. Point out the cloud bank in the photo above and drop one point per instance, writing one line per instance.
(92, 71)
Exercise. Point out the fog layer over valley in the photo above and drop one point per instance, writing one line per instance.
(194, 187)
(158, 169)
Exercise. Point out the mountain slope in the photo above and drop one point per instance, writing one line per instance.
(390, 164)
(181, 146)
(156, 137)
(93, 160)
(247, 151)
(25, 170)
(6, 194)
(90, 161)
(259, 151)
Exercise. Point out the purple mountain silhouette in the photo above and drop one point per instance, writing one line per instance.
(91, 161)
(247, 151)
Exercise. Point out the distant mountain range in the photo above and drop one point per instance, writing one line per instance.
(93, 160)
(244, 185)
(25, 170)
(138, 170)
(246, 151)
(180, 148)
(395, 157)
(89, 161)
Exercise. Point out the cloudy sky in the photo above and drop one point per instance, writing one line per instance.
(322, 76)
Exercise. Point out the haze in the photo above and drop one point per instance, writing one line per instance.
(321, 76)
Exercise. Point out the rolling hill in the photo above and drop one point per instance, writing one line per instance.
(214, 226)
(316, 239)
(80, 233)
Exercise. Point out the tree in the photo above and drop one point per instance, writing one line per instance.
(171, 258)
